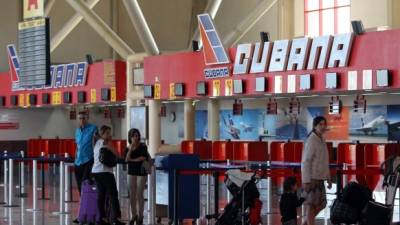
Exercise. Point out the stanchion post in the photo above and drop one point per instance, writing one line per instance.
(22, 193)
(176, 197)
(5, 176)
(62, 179)
(34, 187)
(117, 178)
(10, 183)
(43, 178)
(228, 194)
(151, 192)
(216, 192)
(208, 196)
(66, 181)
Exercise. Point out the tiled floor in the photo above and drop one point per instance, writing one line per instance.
(48, 208)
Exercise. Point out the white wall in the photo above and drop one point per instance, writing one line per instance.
(52, 122)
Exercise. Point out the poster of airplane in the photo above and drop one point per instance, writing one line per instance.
(338, 125)
(393, 122)
(372, 123)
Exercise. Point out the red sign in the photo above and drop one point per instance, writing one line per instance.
(372, 51)
(9, 126)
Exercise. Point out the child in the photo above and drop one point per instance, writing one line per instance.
(289, 202)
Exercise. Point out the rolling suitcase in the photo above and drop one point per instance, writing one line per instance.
(88, 209)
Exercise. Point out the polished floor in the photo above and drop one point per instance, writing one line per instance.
(48, 213)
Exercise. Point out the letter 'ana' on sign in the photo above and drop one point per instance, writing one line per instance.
(244, 53)
(319, 52)
(340, 50)
(60, 70)
(279, 56)
(298, 53)
(261, 57)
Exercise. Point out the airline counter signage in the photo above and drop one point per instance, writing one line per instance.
(289, 55)
(216, 72)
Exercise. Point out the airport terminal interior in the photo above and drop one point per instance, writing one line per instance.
(225, 112)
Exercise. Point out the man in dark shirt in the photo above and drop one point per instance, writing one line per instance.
(289, 202)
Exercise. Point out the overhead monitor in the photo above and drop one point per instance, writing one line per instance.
(148, 91)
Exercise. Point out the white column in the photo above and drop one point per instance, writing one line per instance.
(213, 119)
(154, 126)
(189, 120)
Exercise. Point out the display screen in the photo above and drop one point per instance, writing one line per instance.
(305, 82)
(331, 80)
(238, 87)
(148, 91)
(260, 84)
(81, 97)
(201, 88)
(382, 78)
(105, 94)
(179, 89)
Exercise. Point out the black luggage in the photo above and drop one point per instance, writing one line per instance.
(376, 214)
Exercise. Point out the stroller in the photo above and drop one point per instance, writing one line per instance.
(245, 206)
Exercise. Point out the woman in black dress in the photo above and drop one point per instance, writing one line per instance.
(136, 155)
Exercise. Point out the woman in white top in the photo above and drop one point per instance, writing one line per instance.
(105, 181)
(315, 170)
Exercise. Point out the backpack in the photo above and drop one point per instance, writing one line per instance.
(356, 195)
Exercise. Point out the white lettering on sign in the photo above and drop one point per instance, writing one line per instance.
(319, 52)
(340, 50)
(325, 51)
(298, 53)
(279, 56)
(261, 57)
(244, 54)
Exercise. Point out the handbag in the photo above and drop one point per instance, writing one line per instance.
(145, 167)
(107, 157)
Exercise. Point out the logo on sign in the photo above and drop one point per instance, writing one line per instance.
(213, 49)
(33, 8)
(69, 75)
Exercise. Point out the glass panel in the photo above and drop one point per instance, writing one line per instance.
(328, 4)
(328, 26)
(313, 24)
(312, 5)
(343, 20)
(342, 2)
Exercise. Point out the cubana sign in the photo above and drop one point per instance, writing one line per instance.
(297, 54)
(282, 55)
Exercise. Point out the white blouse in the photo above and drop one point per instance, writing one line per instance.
(99, 167)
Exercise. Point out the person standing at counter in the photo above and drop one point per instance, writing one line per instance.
(315, 170)
(85, 138)
(136, 156)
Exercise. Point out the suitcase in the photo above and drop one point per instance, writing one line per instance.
(377, 214)
(88, 209)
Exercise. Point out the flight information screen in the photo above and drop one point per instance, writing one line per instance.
(34, 52)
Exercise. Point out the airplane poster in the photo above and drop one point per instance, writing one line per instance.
(338, 125)
(239, 127)
(371, 124)
(393, 122)
(201, 124)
